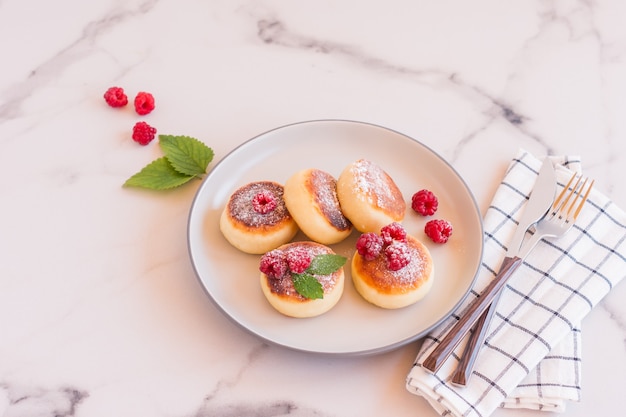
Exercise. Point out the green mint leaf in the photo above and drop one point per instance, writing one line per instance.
(186, 154)
(307, 286)
(326, 264)
(158, 175)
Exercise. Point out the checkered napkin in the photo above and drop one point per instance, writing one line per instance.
(531, 355)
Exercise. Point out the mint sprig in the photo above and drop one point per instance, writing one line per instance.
(158, 175)
(307, 285)
(185, 158)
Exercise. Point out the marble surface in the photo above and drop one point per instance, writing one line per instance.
(100, 311)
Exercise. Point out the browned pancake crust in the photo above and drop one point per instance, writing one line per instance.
(244, 217)
(376, 274)
(323, 187)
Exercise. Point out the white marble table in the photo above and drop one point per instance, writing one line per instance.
(100, 311)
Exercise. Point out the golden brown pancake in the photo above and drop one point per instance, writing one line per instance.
(256, 220)
(311, 198)
(282, 295)
(394, 289)
(369, 197)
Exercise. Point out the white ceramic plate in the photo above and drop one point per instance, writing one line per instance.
(231, 278)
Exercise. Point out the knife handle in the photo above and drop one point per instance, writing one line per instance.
(446, 346)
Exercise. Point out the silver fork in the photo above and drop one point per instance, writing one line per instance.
(559, 220)
(563, 213)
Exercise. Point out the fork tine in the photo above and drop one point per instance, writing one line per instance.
(575, 193)
(562, 206)
(557, 205)
(580, 206)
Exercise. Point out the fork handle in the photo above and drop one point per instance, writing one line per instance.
(465, 366)
(438, 356)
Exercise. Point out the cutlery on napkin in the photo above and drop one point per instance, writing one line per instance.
(539, 202)
(531, 354)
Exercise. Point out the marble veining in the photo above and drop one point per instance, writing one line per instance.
(275, 32)
(280, 408)
(63, 402)
(34, 401)
(100, 311)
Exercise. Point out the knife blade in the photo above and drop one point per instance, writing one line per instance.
(540, 200)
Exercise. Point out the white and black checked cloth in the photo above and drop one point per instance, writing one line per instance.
(531, 355)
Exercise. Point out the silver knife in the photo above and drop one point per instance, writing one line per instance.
(540, 200)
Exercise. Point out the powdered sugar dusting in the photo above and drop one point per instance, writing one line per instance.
(372, 182)
(405, 277)
(412, 271)
(241, 207)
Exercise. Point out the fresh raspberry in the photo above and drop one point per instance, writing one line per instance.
(274, 264)
(438, 230)
(369, 245)
(264, 202)
(393, 232)
(144, 103)
(298, 259)
(115, 97)
(424, 202)
(143, 133)
(397, 255)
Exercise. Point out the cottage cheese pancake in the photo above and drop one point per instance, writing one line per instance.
(311, 198)
(256, 220)
(399, 274)
(278, 269)
(369, 197)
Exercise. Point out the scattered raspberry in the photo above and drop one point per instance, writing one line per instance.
(298, 259)
(397, 255)
(115, 97)
(264, 202)
(273, 264)
(143, 133)
(393, 232)
(424, 202)
(144, 103)
(438, 230)
(369, 245)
